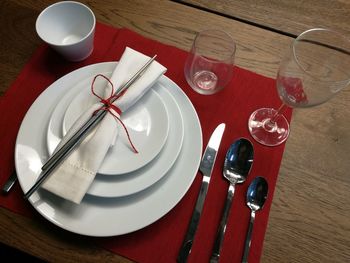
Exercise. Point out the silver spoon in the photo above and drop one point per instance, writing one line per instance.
(238, 161)
(256, 196)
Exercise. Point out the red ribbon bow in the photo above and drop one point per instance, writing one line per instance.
(108, 105)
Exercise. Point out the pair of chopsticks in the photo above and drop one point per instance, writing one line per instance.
(79, 136)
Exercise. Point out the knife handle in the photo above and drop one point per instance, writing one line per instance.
(192, 228)
(9, 183)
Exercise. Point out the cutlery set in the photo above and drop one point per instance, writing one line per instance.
(237, 165)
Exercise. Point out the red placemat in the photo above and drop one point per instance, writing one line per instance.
(160, 242)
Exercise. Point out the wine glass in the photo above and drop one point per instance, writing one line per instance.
(315, 68)
(208, 67)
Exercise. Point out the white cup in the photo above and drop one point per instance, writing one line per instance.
(69, 28)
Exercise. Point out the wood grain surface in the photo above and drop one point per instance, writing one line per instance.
(288, 17)
(309, 219)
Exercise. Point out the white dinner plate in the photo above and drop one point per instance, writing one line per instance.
(147, 124)
(112, 216)
(129, 183)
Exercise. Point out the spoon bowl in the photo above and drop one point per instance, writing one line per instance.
(238, 161)
(257, 193)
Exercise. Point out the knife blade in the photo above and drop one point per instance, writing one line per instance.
(206, 167)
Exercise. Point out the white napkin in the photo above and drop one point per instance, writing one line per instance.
(74, 176)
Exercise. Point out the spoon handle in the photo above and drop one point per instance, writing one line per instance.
(222, 227)
(248, 238)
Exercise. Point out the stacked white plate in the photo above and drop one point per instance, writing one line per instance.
(131, 190)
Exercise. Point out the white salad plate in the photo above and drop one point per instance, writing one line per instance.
(128, 183)
(109, 216)
(146, 121)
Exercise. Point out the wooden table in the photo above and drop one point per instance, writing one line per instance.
(309, 219)
(284, 17)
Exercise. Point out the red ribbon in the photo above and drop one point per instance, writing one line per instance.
(108, 105)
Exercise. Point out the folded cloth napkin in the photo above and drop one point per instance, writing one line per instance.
(72, 178)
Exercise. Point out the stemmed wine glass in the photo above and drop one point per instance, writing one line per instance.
(315, 68)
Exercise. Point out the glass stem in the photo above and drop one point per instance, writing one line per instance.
(280, 110)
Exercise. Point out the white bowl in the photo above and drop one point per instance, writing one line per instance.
(69, 28)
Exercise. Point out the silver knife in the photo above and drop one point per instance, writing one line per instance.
(206, 168)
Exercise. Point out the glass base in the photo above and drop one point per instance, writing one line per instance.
(266, 132)
(204, 82)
